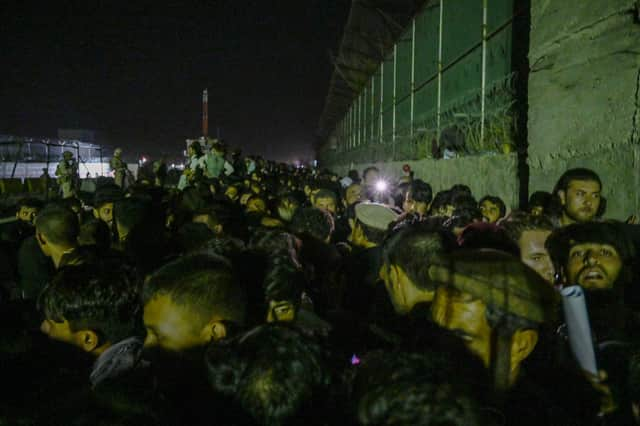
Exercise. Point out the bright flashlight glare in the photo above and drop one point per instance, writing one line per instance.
(381, 186)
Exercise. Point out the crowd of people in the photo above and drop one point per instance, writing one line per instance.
(252, 292)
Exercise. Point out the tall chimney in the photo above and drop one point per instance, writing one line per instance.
(205, 113)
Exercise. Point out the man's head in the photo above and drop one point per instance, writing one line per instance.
(283, 284)
(232, 193)
(370, 225)
(578, 194)
(67, 155)
(103, 200)
(495, 304)
(406, 256)
(530, 233)
(256, 204)
(353, 194)
(27, 209)
(312, 222)
(117, 152)
(275, 373)
(539, 203)
(91, 307)
(57, 229)
(370, 176)
(597, 256)
(492, 208)
(129, 213)
(327, 200)
(419, 196)
(191, 301)
(287, 206)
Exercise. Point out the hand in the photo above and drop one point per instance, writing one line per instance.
(607, 403)
(632, 220)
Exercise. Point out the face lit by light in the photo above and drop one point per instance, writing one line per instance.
(328, 204)
(353, 194)
(256, 205)
(231, 193)
(466, 317)
(534, 254)
(593, 265)
(104, 213)
(282, 310)
(581, 200)
(490, 211)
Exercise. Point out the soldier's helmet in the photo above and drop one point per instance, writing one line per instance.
(67, 155)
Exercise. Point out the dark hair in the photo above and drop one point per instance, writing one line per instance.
(519, 222)
(369, 169)
(441, 199)
(429, 388)
(482, 235)
(197, 148)
(283, 281)
(99, 297)
(274, 372)
(421, 191)
(58, 224)
(129, 212)
(325, 193)
(107, 193)
(193, 236)
(95, 233)
(313, 222)
(541, 199)
(461, 189)
(562, 239)
(413, 247)
(29, 202)
(575, 174)
(494, 200)
(204, 283)
(563, 184)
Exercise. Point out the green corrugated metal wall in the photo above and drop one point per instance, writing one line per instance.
(395, 117)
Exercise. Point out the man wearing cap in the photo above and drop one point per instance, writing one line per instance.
(67, 173)
(499, 307)
(495, 303)
(369, 227)
(368, 230)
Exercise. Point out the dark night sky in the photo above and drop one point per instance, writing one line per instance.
(136, 70)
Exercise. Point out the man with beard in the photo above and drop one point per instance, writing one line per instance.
(577, 197)
(598, 257)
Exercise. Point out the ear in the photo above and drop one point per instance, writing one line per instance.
(87, 340)
(96, 214)
(213, 331)
(522, 344)
(562, 195)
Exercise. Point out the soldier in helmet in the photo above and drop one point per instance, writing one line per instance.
(67, 173)
(119, 167)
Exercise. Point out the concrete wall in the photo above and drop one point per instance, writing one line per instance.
(485, 175)
(584, 88)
